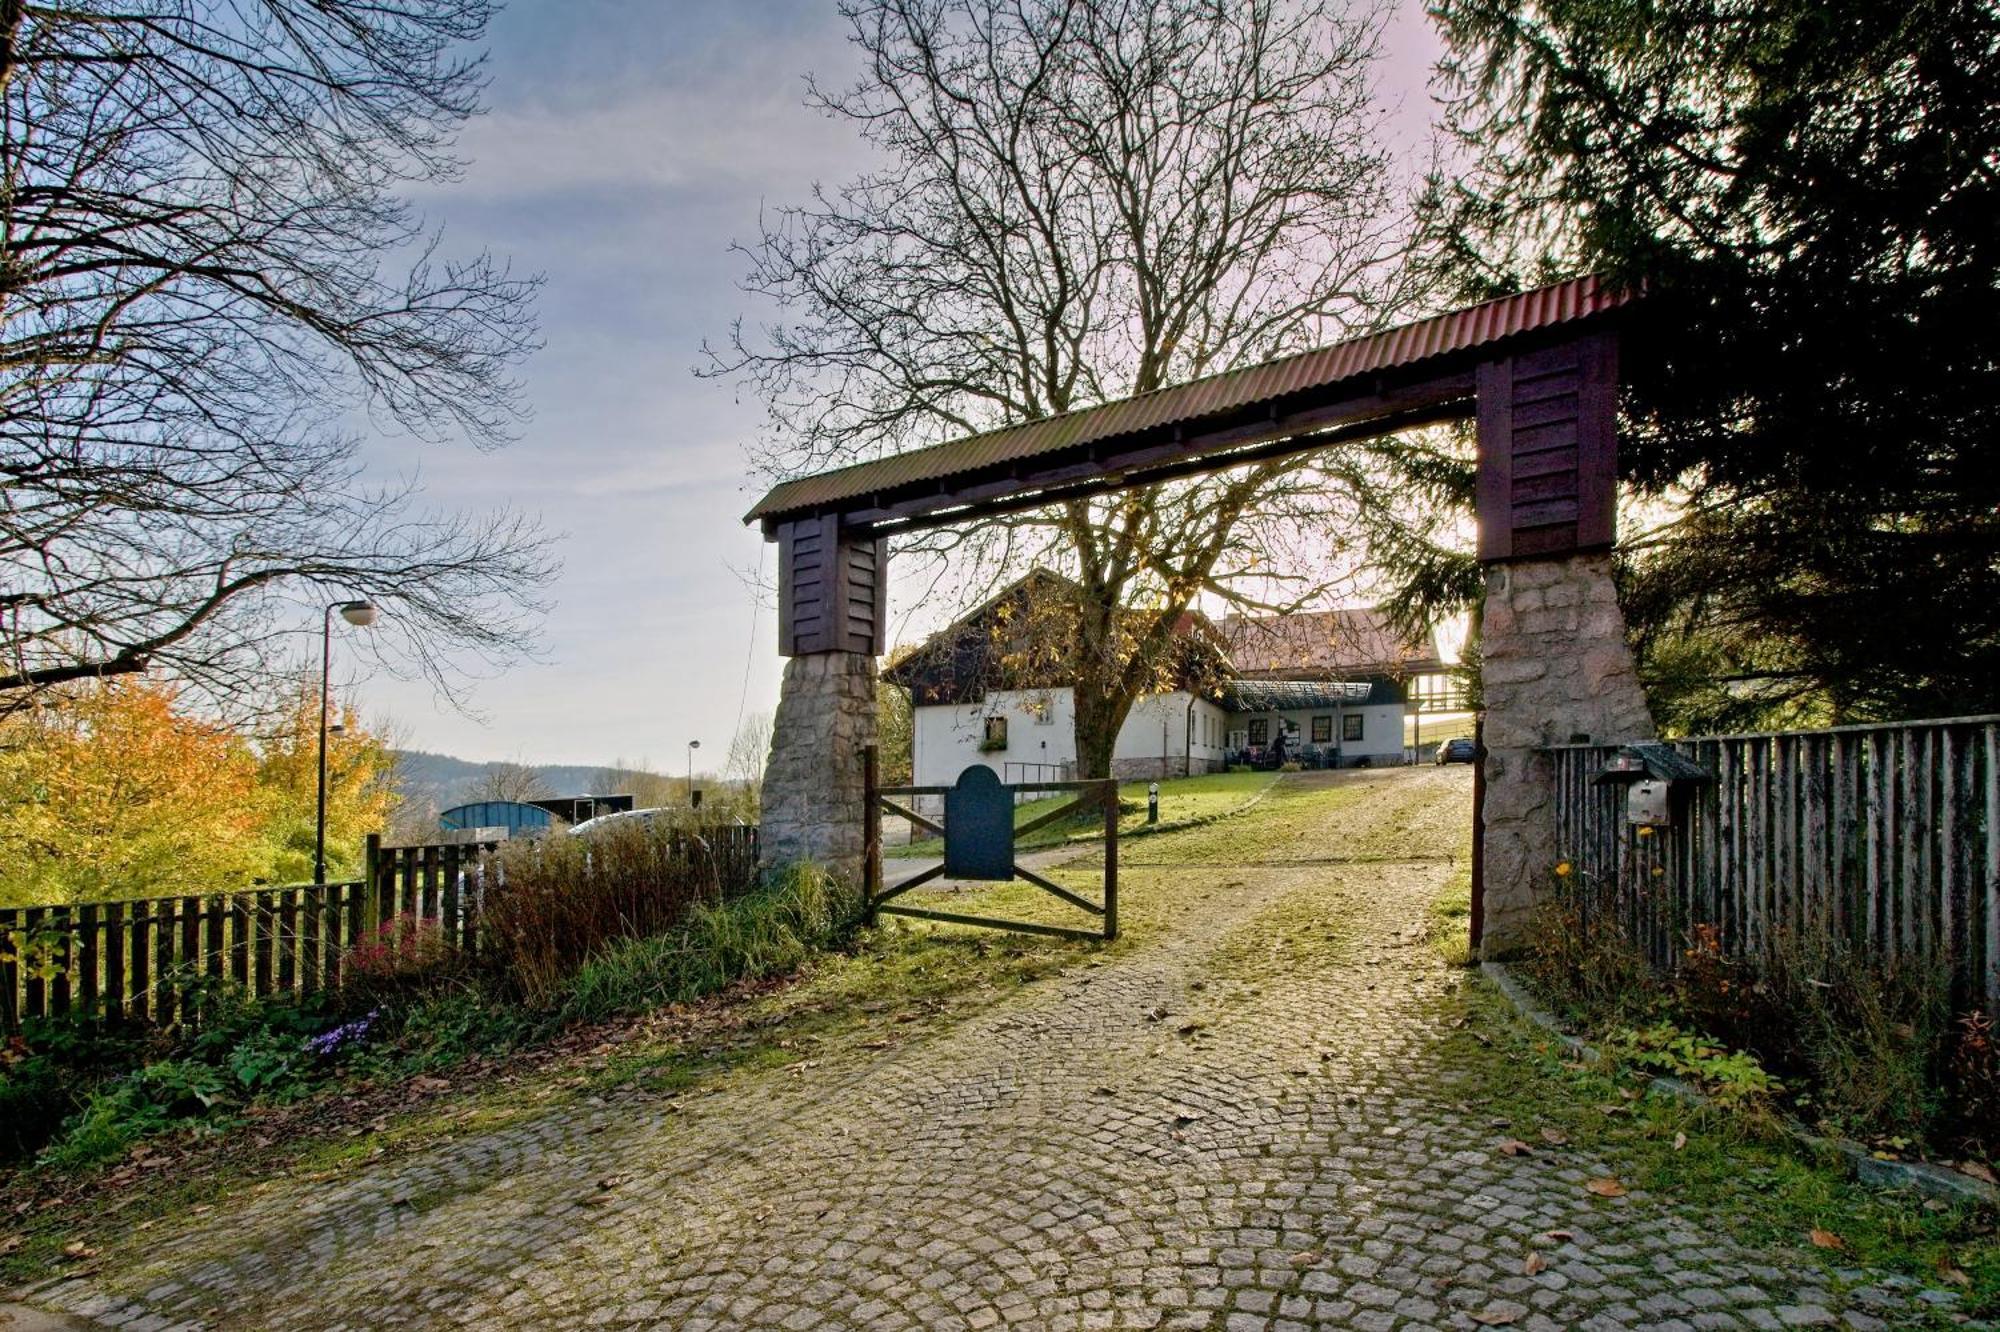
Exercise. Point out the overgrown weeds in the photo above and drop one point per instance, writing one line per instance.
(554, 904)
(1866, 1047)
(767, 932)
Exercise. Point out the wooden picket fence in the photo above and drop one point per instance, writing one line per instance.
(130, 960)
(1886, 836)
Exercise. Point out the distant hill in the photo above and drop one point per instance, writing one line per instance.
(439, 781)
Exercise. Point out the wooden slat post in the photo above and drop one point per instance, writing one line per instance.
(190, 946)
(212, 923)
(88, 982)
(265, 915)
(871, 854)
(11, 930)
(450, 922)
(114, 960)
(1991, 876)
(425, 891)
(34, 989)
(239, 940)
(1944, 884)
(288, 940)
(1477, 926)
(371, 877)
(312, 913)
(139, 937)
(163, 961)
(62, 955)
(1111, 859)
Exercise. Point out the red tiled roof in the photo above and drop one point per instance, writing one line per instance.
(1322, 367)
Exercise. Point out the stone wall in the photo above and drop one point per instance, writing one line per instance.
(814, 800)
(1162, 769)
(1554, 668)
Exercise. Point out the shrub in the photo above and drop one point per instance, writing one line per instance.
(1732, 1077)
(48, 1072)
(135, 1106)
(1868, 1033)
(558, 902)
(1585, 961)
(399, 957)
(764, 933)
(1974, 1080)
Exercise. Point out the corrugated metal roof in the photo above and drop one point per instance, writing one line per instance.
(1291, 695)
(1461, 330)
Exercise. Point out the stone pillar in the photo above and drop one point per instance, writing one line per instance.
(814, 802)
(1554, 668)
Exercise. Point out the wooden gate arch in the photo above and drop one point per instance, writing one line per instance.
(1538, 374)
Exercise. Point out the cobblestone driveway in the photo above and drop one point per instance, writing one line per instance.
(1249, 1119)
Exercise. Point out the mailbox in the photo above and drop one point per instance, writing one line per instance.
(1656, 778)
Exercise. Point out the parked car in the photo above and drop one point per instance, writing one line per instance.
(665, 816)
(1461, 750)
(625, 818)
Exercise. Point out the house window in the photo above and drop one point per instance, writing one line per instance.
(1322, 730)
(1260, 731)
(1350, 726)
(996, 735)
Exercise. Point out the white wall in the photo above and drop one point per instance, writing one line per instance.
(945, 738)
(1381, 729)
(1157, 728)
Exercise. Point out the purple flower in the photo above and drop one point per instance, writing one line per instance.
(330, 1043)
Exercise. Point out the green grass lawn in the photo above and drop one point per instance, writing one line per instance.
(1183, 801)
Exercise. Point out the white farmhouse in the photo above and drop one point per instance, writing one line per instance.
(983, 695)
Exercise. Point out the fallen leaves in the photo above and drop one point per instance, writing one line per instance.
(1515, 1147)
(1979, 1170)
(1534, 1264)
(1555, 1137)
(1557, 1236)
(1680, 1141)
(1825, 1239)
(1606, 1186)
(1498, 1315)
(1306, 1258)
(77, 1251)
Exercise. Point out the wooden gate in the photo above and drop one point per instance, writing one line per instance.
(979, 840)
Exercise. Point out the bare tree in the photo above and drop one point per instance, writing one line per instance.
(210, 280)
(1084, 199)
(648, 789)
(509, 781)
(748, 750)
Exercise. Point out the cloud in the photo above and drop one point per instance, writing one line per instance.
(733, 133)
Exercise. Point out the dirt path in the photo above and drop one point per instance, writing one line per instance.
(1261, 1113)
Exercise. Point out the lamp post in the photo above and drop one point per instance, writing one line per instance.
(694, 797)
(360, 614)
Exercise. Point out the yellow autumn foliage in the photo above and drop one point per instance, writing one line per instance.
(117, 790)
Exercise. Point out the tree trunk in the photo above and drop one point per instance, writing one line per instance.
(1100, 715)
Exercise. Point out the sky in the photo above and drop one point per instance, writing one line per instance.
(626, 144)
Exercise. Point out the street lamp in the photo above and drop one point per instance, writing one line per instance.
(360, 614)
(694, 796)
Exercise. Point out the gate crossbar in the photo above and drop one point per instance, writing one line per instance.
(1089, 795)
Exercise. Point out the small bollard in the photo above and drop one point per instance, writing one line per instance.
(1153, 803)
